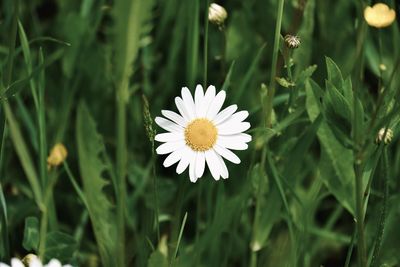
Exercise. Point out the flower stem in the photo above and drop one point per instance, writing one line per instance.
(205, 45)
(271, 89)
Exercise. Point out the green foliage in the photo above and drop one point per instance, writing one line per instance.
(93, 75)
(31, 234)
(90, 147)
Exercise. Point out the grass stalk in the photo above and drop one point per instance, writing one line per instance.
(121, 169)
(271, 89)
(179, 238)
(206, 45)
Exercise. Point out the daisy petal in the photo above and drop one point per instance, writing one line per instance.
(198, 98)
(240, 116)
(16, 263)
(169, 137)
(225, 114)
(187, 155)
(188, 102)
(54, 263)
(168, 125)
(224, 169)
(235, 138)
(175, 117)
(169, 147)
(213, 163)
(228, 128)
(227, 154)
(192, 169)
(200, 164)
(173, 158)
(208, 98)
(216, 105)
(182, 109)
(232, 144)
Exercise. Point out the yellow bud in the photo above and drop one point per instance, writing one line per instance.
(217, 14)
(28, 259)
(57, 155)
(379, 15)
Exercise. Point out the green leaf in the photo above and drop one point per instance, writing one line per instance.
(60, 246)
(284, 83)
(336, 163)
(4, 241)
(31, 234)
(157, 259)
(90, 147)
(305, 74)
(334, 73)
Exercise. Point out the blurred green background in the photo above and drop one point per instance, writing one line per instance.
(291, 204)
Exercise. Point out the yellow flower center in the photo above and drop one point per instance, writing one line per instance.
(201, 134)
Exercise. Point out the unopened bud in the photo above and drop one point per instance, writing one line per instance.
(217, 14)
(57, 155)
(27, 260)
(292, 41)
(384, 135)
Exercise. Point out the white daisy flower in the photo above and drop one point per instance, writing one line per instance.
(34, 262)
(202, 133)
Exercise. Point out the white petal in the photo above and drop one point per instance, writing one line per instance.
(235, 138)
(169, 147)
(198, 98)
(213, 163)
(175, 117)
(16, 263)
(216, 105)
(187, 155)
(54, 263)
(227, 154)
(182, 109)
(188, 102)
(192, 169)
(231, 144)
(173, 158)
(240, 116)
(169, 137)
(200, 164)
(168, 125)
(208, 98)
(224, 169)
(4, 265)
(232, 128)
(225, 114)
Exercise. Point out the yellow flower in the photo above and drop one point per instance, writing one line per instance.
(379, 15)
(57, 155)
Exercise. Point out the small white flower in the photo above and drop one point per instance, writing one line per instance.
(202, 133)
(34, 262)
(217, 14)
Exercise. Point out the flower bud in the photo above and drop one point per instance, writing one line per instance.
(217, 14)
(57, 155)
(292, 41)
(27, 260)
(385, 138)
(379, 15)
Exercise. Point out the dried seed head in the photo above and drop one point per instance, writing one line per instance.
(384, 135)
(217, 14)
(292, 41)
(57, 155)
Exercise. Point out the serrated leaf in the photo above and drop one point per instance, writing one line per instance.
(305, 74)
(336, 163)
(60, 246)
(31, 234)
(90, 147)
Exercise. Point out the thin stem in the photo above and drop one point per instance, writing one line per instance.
(205, 45)
(271, 89)
(179, 238)
(122, 92)
(157, 220)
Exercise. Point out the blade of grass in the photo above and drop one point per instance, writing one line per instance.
(179, 238)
